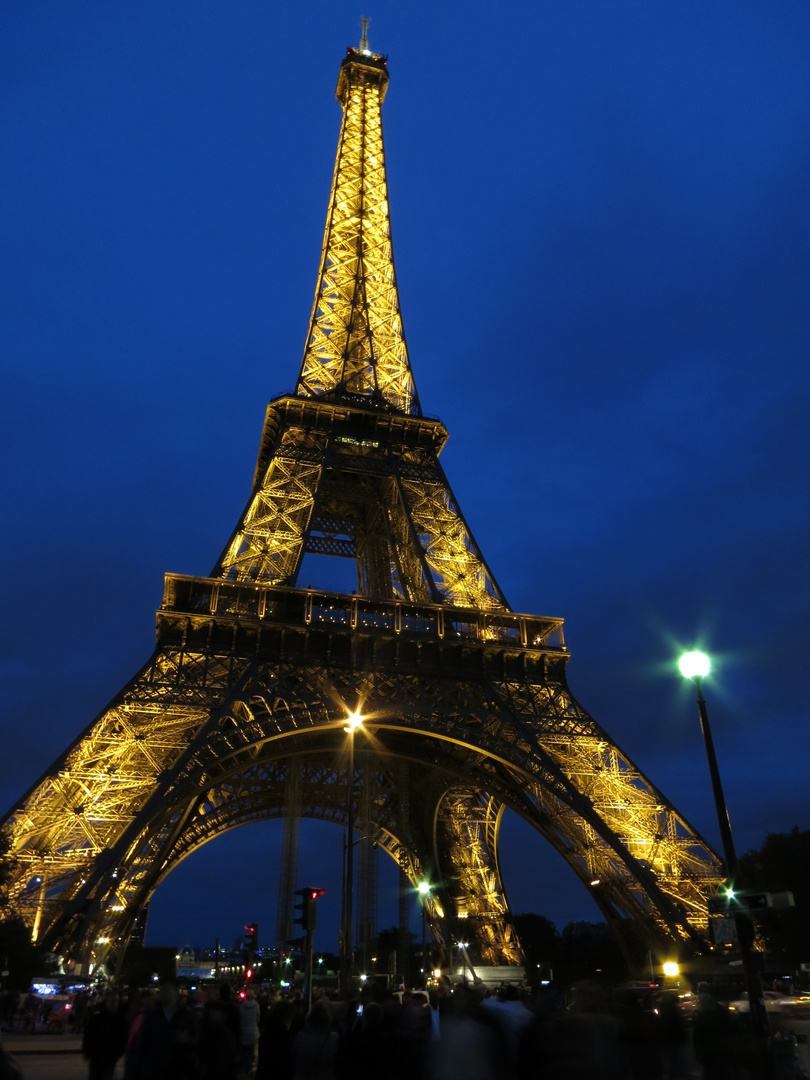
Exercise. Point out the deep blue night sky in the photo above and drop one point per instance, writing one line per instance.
(602, 235)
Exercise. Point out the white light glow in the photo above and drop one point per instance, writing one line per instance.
(694, 665)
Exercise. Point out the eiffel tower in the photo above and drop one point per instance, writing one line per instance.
(239, 714)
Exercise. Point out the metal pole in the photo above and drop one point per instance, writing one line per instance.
(308, 971)
(424, 969)
(742, 922)
(346, 966)
(404, 950)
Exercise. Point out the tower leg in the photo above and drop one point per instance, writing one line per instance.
(288, 871)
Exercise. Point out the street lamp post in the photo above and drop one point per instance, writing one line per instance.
(424, 892)
(694, 666)
(355, 721)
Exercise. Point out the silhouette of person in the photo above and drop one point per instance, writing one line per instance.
(167, 1044)
(711, 1032)
(315, 1049)
(105, 1038)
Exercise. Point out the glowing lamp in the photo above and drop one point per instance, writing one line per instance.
(354, 721)
(694, 665)
(671, 969)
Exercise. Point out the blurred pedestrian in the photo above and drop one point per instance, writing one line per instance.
(219, 1041)
(414, 1033)
(142, 1002)
(374, 1054)
(231, 1011)
(712, 1036)
(673, 1036)
(105, 1038)
(248, 1033)
(512, 1018)
(167, 1044)
(78, 1013)
(276, 1060)
(581, 1044)
(470, 1043)
(315, 1049)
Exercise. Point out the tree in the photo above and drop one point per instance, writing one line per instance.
(541, 946)
(5, 873)
(392, 947)
(19, 955)
(782, 864)
(590, 951)
(582, 951)
(141, 964)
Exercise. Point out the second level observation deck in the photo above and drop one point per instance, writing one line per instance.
(277, 622)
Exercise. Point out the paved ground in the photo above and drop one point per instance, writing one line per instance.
(58, 1057)
(54, 1067)
(48, 1057)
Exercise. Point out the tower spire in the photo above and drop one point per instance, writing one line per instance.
(355, 350)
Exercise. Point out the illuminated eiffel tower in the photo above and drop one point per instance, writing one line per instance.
(465, 702)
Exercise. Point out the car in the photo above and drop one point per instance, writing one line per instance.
(49, 1008)
(50, 1001)
(687, 1002)
(794, 1005)
(59, 1013)
(774, 1002)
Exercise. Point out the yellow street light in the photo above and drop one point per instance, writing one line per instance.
(353, 722)
(671, 969)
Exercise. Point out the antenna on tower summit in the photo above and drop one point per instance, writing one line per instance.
(364, 39)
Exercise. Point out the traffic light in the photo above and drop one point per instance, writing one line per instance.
(252, 936)
(307, 907)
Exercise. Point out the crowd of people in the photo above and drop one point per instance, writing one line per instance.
(448, 1034)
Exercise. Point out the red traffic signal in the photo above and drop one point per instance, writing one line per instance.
(306, 920)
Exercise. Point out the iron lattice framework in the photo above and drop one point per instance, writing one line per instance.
(244, 699)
